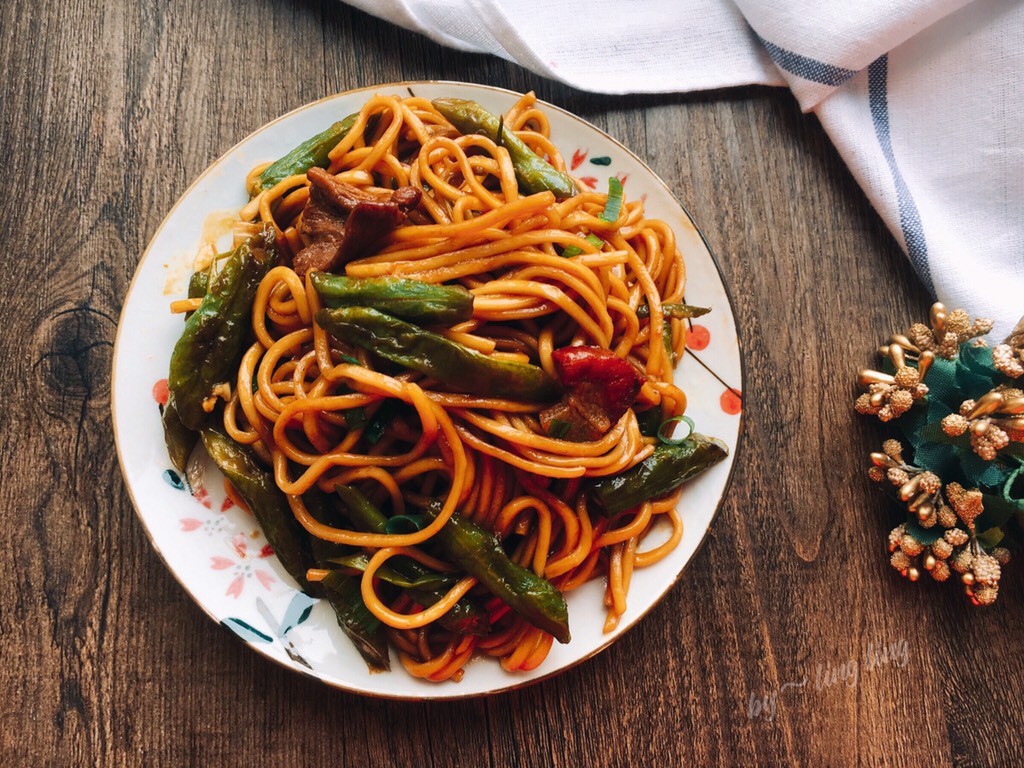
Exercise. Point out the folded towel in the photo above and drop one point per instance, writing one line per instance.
(922, 98)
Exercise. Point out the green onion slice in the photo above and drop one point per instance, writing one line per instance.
(558, 428)
(675, 440)
(614, 204)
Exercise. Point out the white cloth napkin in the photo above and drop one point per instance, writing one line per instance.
(924, 99)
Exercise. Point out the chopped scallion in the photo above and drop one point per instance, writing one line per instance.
(575, 250)
(355, 417)
(558, 428)
(668, 423)
(614, 204)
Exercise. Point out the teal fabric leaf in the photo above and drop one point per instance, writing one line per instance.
(246, 631)
(924, 535)
(997, 511)
(940, 458)
(1014, 485)
(991, 537)
(942, 386)
(297, 612)
(911, 423)
(1014, 451)
(975, 373)
(932, 432)
(978, 360)
(980, 473)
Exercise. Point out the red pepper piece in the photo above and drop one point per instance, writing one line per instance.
(599, 387)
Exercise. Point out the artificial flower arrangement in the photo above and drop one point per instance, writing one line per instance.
(957, 459)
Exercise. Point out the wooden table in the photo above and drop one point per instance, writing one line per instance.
(110, 109)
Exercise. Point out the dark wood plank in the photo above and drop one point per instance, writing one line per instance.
(110, 109)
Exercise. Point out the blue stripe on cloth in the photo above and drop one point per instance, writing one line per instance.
(910, 219)
(807, 68)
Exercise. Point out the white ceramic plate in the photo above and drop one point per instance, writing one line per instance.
(217, 552)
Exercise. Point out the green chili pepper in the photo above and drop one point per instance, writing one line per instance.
(360, 511)
(412, 300)
(179, 439)
(312, 152)
(429, 353)
(268, 504)
(671, 311)
(533, 173)
(674, 311)
(660, 473)
(394, 576)
(479, 553)
(343, 591)
(667, 341)
(199, 283)
(363, 628)
(211, 345)
(650, 421)
(466, 616)
(355, 418)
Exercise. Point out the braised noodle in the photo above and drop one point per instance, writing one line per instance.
(487, 458)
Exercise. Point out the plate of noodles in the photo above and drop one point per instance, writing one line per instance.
(416, 390)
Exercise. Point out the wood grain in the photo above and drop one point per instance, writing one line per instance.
(108, 110)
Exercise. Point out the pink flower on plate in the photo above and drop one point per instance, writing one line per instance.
(214, 526)
(202, 496)
(243, 565)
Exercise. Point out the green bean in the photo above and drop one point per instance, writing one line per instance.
(660, 473)
(533, 172)
(412, 300)
(429, 353)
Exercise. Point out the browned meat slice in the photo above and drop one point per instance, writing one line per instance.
(343, 222)
(582, 409)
